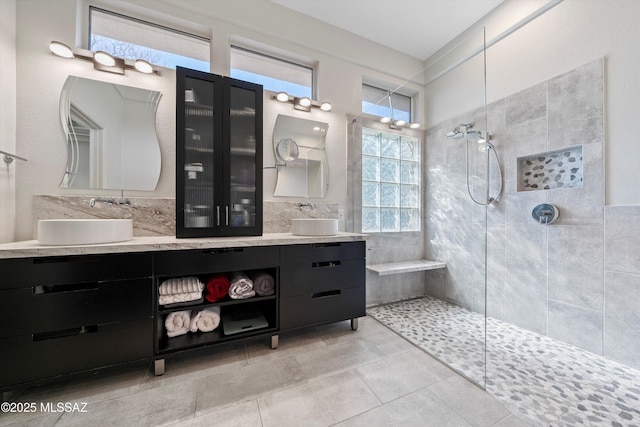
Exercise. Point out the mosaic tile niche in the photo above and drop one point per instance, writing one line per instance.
(551, 170)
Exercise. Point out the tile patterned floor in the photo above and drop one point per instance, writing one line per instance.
(323, 376)
(548, 382)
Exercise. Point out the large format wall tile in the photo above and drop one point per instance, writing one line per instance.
(622, 238)
(526, 105)
(576, 106)
(576, 270)
(576, 326)
(622, 317)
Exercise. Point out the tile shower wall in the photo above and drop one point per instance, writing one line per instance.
(549, 279)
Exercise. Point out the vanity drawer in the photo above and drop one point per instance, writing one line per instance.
(331, 306)
(312, 277)
(32, 357)
(41, 308)
(316, 252)
(27, 272)
(215, 260)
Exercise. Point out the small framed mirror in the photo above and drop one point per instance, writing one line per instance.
(301, 159)
(110, 134)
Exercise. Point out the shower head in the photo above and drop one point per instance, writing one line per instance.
(460, 131)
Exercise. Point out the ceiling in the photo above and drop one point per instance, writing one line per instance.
(415, 27)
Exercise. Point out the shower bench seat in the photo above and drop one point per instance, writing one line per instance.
(388, 268)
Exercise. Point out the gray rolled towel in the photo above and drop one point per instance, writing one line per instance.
(263, 283)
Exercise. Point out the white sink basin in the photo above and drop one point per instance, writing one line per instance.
(84, 231)
(314, 227)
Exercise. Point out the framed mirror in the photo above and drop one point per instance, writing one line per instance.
(301, 159)
(110, 135)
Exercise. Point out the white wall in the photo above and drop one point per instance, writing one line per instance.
(7, 117)
(344, 59)
(571, 34)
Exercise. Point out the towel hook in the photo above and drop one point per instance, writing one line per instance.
(8, 157)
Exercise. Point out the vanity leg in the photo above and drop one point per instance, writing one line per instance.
(274, 341)
(158, 367)
(354, 324)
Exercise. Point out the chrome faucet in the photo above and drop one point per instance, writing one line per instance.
(109, 201)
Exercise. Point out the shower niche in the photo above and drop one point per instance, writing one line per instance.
(551, 170)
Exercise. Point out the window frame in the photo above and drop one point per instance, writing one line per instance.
(279, 58)
(125, 17)
(410, 98)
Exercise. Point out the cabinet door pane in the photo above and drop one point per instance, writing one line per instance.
(199, 167)
(242, 167)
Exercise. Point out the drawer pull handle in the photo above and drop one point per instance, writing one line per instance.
(325, 264)
(326, 294)
(59, 259)
(221, 251)
(56, 289)
(82, 330)
(325, 245)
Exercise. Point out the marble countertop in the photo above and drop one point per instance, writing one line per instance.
(31, 248)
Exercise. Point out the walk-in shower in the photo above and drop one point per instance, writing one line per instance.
(466, 131)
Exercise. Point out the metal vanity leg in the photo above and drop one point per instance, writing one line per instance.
(354, 324)
(158, 367)
(274, 341)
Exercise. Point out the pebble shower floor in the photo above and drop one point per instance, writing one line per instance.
(546, 381)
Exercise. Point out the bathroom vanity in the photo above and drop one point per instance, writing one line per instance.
(72, 309)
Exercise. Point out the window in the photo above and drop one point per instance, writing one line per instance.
(131, 38)
(390, 182)
(375, 101)
(273, 74)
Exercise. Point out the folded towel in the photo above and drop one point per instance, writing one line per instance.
(181, 285)
(217, 287)
(205, 320)
(241, 286)
(175, 298)
(263, 283)
(177, 323)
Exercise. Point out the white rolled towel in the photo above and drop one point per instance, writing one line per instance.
(205, 320)
(241, 286)
(177, 323)
(181, 285)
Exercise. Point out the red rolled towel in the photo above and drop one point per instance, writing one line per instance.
(217, 287)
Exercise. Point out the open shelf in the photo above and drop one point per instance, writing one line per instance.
(225, 302)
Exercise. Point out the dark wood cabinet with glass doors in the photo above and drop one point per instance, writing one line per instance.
(218, 155)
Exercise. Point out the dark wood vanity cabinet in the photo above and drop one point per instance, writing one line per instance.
(322, 282)
(71, 314)
(218, 155)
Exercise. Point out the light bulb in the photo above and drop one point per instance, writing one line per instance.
(143, 66)
(414, 125)
(400, 123)
(60, 49)
(104, 58)
(282, 96)
(305, 102)
(385, 120)
(325, 106)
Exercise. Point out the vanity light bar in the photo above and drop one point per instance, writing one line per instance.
(303, 104)
(102, 61)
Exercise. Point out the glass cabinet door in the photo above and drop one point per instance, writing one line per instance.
(245, 159)
(198, 163)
